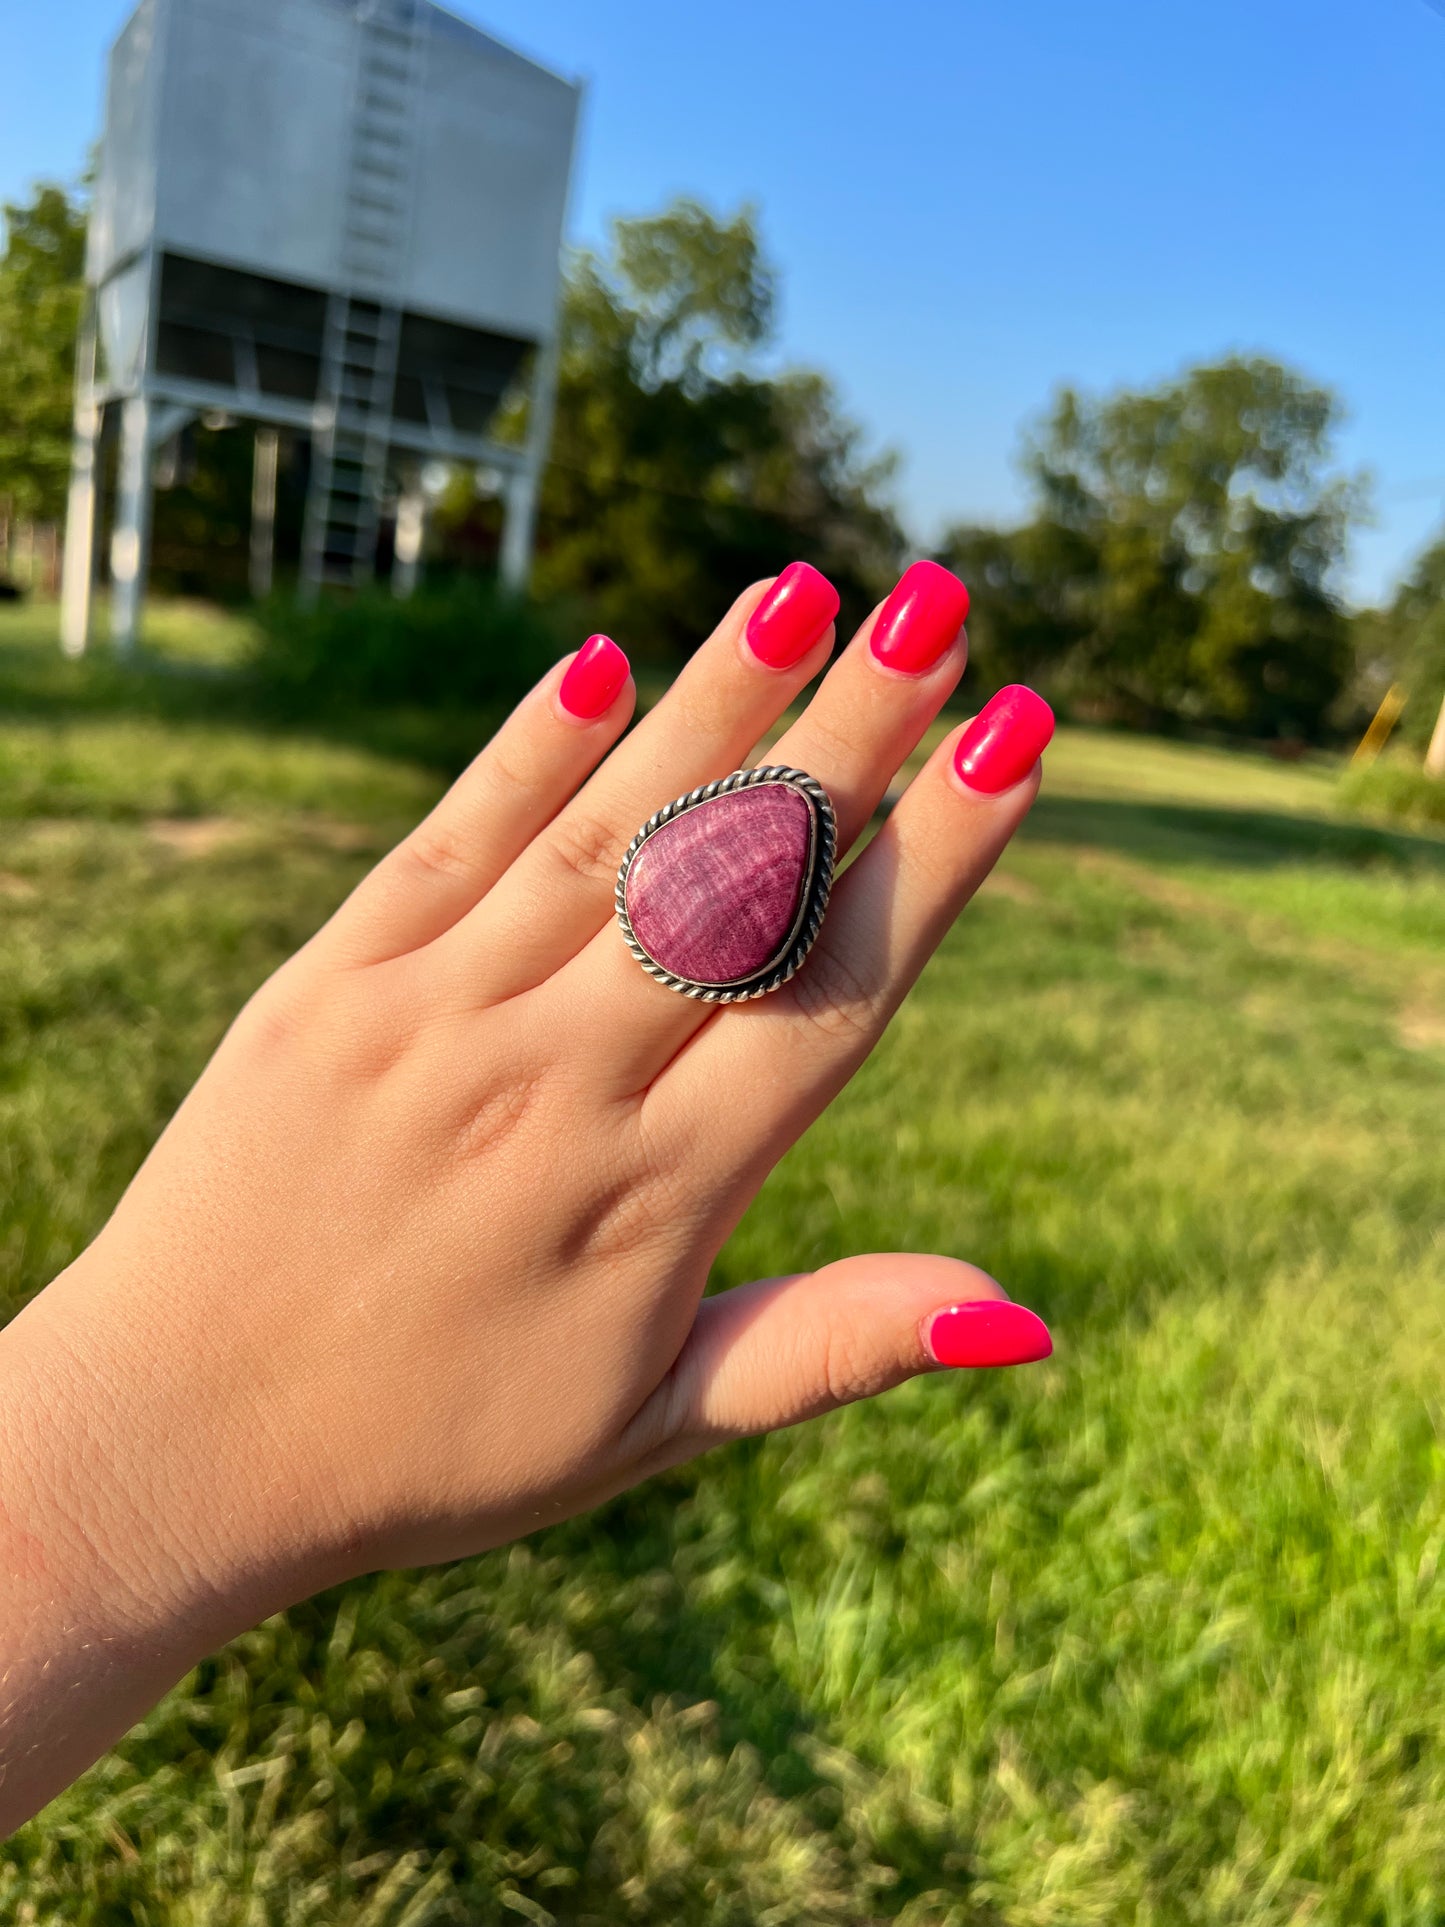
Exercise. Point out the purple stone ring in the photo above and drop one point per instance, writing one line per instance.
(721, 894)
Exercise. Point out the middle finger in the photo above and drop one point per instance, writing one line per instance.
(865, 720)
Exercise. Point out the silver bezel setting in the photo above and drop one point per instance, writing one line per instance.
(816, 889)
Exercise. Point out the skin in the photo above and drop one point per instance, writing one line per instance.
(418, 1266)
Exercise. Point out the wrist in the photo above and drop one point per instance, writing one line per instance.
(130, 1546)
(94, 1623)
(137, 1502)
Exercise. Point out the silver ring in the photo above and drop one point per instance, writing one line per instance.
(700, 906)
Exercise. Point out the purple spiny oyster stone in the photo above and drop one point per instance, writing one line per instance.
(713, 895)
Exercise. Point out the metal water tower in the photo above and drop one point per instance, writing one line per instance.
(339, 217)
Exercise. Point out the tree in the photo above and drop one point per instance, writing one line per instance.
(1411, 636)
(678, 470)
(1181, 562)
(1031, 612)
(41, 290)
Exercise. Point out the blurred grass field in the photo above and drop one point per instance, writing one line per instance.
(1150, 1634)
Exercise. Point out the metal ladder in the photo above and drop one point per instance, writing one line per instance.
(363, 319)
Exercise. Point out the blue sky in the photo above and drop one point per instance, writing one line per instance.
(971, 202)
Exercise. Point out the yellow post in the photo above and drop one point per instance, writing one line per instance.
(1378, 734)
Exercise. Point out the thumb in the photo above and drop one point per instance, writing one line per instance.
(782, 1350)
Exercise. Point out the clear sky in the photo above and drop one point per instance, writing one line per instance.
(974, 200)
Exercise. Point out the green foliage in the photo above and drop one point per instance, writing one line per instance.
(1181, 562)
(40, 301)
(678, 471)
(200, 541)
(697, 293)
(457, 642)
(1422, 593)
(1179, 567)
(1150, 1635)
(1410, 637)
(1031, 614)
(1394, 787)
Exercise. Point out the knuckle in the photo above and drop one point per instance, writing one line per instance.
(631, 1217)
(341, 1026)
(505, 772)
(500, 1111)
(585, 848)
(438, 850)
(834, 1000)
(510, 779)
(666, 1135)
(282, 1013)
(850, 1366)
(643, 1206)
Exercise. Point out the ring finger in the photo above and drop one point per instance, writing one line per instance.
(892, 910)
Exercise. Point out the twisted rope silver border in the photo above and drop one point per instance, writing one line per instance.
(819, 886)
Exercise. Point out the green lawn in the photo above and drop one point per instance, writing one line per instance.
(1151, 1634)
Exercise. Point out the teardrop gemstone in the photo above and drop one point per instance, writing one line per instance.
(714, 896)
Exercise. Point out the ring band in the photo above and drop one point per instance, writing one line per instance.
(722, 892)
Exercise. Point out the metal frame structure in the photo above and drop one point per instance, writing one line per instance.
(362, 441)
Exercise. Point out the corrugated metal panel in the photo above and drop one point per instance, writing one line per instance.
(123, 207)
(254, 131)
(495, 152)
(229, 135)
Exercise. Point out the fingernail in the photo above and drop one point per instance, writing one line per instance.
(988, 1331)
(791, 616)
(593, 680)
(1004, 740)
(920, 619)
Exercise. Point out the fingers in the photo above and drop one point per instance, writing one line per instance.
(553, 739)
(793, 1051)
(865, 719)
(558, 894)
(871, 711)
(787, 1349)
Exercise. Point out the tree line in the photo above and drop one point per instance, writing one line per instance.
(1180, 563)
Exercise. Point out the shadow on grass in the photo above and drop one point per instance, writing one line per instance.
(1173, 833)
(629, 1592)
(721, 1652)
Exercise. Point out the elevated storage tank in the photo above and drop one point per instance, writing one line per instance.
(342, 217)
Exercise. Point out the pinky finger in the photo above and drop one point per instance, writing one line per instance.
(774, 1353)
(548, 746)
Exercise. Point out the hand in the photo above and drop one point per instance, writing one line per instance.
(419, 1265)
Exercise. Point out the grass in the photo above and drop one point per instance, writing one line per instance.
(1151, 1634)
(1397, 786)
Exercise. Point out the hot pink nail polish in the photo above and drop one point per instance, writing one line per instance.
(920, 619)
(594, 679)
(987, 1331)
(791, 616)
(1004, 740)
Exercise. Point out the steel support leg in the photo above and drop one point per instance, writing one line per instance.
(519, 518)
(78, 577)
(130, 540)
(410, 539)
(263, 511)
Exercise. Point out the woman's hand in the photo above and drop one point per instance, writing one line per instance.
(419, 1264)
